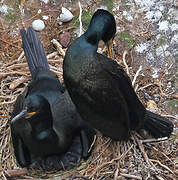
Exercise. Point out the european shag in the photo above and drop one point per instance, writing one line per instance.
(101, 89)
(46, 128)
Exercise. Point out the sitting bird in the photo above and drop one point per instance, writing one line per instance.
(101, 89)
(45, 126)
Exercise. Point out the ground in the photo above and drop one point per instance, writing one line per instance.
(146, 40)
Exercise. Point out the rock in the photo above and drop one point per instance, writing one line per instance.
(176, 3)
(66, 15)
(64, 39)
(38, 25)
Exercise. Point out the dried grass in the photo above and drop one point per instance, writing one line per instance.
(109, 160)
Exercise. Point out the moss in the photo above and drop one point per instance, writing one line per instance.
(86, 17)
(10, 17)
(108, 4)
(127, 38)
(173, 104)
(161, 41)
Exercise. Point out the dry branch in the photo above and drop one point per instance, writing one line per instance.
(16, 172)
(58, 47)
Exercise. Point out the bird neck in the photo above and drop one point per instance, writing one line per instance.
(93, 36)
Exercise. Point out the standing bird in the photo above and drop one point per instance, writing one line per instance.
(45, 124)
(101, 89)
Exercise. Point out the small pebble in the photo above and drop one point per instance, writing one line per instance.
(64, 39)
(66, 15)
(38, 25)
(176, 3)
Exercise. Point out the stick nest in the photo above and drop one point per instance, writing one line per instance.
(109, 160)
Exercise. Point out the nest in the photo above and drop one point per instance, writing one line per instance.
(135, 159)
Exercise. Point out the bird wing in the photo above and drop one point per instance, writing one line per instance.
(21, 152)
(107, 87)
(100, 86)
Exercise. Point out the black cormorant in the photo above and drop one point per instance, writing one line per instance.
(101, 89)
(45, 125)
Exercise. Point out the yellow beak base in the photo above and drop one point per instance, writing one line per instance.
(30, 114)
(109, 49)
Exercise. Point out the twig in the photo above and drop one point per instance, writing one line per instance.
(9, 102)
(11, 44)
(142, 150)
(3, 75)
(162, 154)
(17, 66)
(21, 56)
(16, 172)
(124, 61)
(49, 56)
(79, 176)
(17, 82)
(131, 176)
(58, 73)
(136, 75)
(59, 47)
(153, 140)
(80, 19)
(148, 85)
(111, 162)
(175, 96)
(159, 178)
(162, 165)
(170, 116)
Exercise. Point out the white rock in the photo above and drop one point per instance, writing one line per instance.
(66, 15)
(38, 25)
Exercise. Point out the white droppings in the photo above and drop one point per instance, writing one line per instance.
(155, 73)
(140, 48)
(150, 57)
(145, 4)
(163, 25)
(174, 27)
(161, 7)
(39, 11)
(159, 51)
(127, 15)
(149, 15)
(38, 25)
(174, 38)
(45, 1)
(45, 17)
(4, 9)
(66, 15)
(153, 16)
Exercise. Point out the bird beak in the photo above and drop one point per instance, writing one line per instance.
(18, 116)
(109, 49)
(22, 114)
(29, 115)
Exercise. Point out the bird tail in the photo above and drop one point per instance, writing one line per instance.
(34, 51)
(157, 125)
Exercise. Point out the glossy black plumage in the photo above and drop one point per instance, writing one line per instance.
(100, 88)
(56, 132)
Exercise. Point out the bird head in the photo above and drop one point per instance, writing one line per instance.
(102, 27)
(33, 105)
